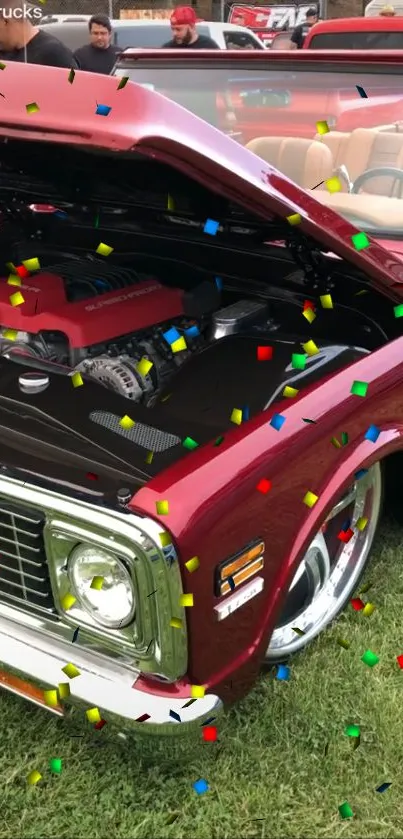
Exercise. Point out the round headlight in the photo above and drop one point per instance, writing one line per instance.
(113, 605)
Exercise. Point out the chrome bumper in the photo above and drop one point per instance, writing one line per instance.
(102, 683)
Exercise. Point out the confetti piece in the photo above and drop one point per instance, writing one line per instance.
(345, 535)
(175, 716)
(245, 413)
(310, 499)
(298, 631)
(209, 733)
(231, 583)
(17, 299)
(32, 108)
(298, 361)
(357, 604)
(22, 272)
(64, 690)
(104, 250)
(97, 583)
(361, 91)
(71, 76)
(310, 348)
(10, 334)
(352, 730)
(309, 315)
(189, 443)
(322, 127)
(162, 508)
(356, 742)
(218, 441)
(310, 421)
(14, 280)
(197, 691)
(236, 416)
(219, 283)
(294, 219)
(179, 345)
(55, 765)
(360, 241)
(264, 485)
(172, 818)
(192, 564)
(149, 457)
(100, 724)
(71, 670)
(144, 366)
(77, 380)
(103, 110)
(165, 539)
(335, 443)
(67, 601)
(308, 304)
(372, 433)
(277, 421)
(51, 698)
(143, 718)
(370, 658)
(342, 643)
(398, 311)
(211, 227)
(93, 715)
(399, 660)
(360, 474)
(359, 388)
(192, 331)
(283, 673)
(367, 585)
(75, 636)
(171, 335)
(383, 787)
(345, 811)
(123, 82)
(290, 392)
(34, 777)
(333, 185)
(126, 422)
(176, 623)
(31, 264)
(368, 610)
(264, 353)
(2, 66)
(201, 786)
(186, 600)
(170, 204)
(344, 438)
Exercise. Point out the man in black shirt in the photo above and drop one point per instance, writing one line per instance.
(184, 33)
(99, 55)
(21, 40)
(301, 31)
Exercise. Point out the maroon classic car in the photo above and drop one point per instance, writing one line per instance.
(200, 406)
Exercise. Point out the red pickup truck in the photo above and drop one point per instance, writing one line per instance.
(362, 33)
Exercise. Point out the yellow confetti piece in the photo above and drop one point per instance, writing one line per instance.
(310, 348)
(309, 315)
(333, 185)
(290, 392)
(93, 715)
(126, 422)
(32, 108)
(322, 127)
(149, 457)
(171, 203)
(236, 416)
(294, 219)
(192, 564)
(310, 499)
(361, 523)
(71, 670)
(162, 508)
(31, 264)
(17, 299)
(144, 366)
(97, 583)
(11, 267)
(51, 698)
(197, 691)
(64, 690)
(176, 623)
(179, 345)
(165, 539)
(67, 601)
(326, 301)
(10, 334)
(34, 777)
(77, 380)
(186, 600)
(104, 250)
(368, 609)
(14, 279)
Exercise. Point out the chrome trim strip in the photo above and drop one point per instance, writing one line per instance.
(239, 598)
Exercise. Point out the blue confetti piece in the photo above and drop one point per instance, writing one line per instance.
(283, 673)
(360, 474)
(75, 636)
(219, 283)
(361, 91)
(231, 583)
(345, 526)
(245, 413)
(171, 335)
(103, 110)
(383, 787)
(200, 786)
(192, 332)
(211, 227)
(175, 716)
(208, 722)
(277, 421)
(372, 433)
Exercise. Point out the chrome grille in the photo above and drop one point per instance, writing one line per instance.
(24, 576)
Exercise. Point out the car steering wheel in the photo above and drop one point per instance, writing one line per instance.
(380, 172)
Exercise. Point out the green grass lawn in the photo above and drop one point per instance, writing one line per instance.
(281, 768)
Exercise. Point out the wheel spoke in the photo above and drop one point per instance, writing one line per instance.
(343, 503)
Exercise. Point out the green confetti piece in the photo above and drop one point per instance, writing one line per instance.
(360, 241)
(398, 311)
(71, 76)
(2, 66)
(32, 108)
(345, 644)
(352, 730)
(344, 438)
(370, 658)
(218, 441)
(345, 810)
(190, 444)
(298, 361)
(123, 82)
(55, 765)
(365, 588)
(359, 388)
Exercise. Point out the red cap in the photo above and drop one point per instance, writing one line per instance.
(183, 16)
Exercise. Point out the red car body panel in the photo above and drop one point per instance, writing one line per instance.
(354, 24)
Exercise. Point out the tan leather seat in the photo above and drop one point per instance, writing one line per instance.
(337, 142)
(367, 148)
(307, 162)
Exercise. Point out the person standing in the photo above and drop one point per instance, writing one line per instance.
(99, 56)
(21, 40)
(185, 34)
(301, 31)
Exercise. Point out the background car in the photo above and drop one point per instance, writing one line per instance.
(357, 33)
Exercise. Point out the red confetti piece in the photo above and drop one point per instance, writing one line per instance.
(308, 305)
(264, 353)
(264, 485)
(345, 535)
(399, 660)
(22, 272)
(143, 718)
(91, 476)
(210, 733)
(100, 724)
(357, 604)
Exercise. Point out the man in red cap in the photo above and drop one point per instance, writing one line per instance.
(184, 33)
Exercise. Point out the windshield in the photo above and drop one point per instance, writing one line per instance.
(357, 41)
(312, 126)
(147, 36)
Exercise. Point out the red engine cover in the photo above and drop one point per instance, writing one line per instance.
(87, 322)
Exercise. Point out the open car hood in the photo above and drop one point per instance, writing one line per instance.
(57, 149)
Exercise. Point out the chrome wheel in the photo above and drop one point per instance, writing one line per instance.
(330, 570)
